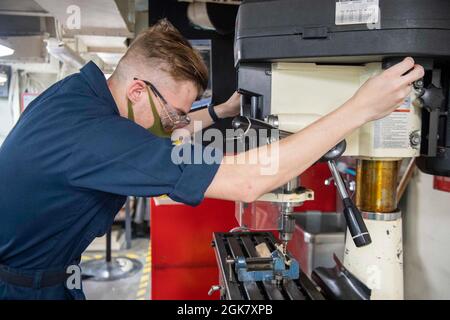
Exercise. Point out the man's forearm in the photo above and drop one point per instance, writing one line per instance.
(295, 154)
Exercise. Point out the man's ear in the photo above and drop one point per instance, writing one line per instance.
(136, 91)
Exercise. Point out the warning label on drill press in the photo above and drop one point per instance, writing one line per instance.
(357, 12)
(392, 132)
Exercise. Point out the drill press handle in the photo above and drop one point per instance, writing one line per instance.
(355, 223)
(352, 215)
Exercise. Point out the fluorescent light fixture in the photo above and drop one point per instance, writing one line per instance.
(5, 51)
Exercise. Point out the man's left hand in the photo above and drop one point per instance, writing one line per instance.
(230, 108)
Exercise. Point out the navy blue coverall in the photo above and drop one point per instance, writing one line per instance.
(65, 171)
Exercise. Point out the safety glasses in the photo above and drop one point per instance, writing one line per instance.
(171, 118)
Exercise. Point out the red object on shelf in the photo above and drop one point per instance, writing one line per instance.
(442, 183)
(184, 266)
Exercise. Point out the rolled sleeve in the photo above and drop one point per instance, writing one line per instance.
(195, 180)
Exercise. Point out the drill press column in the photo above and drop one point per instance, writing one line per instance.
(377, 182)
(380, 265)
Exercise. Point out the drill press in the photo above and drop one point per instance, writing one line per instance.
(312, 58)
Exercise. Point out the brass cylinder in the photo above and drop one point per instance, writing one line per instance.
(376, 185)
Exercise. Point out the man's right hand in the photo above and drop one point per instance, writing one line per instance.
(382, 94)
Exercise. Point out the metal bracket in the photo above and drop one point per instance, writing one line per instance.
(301, 195)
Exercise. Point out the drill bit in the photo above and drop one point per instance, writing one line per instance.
(284, 247)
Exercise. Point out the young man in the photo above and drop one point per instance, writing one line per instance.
(86, 143)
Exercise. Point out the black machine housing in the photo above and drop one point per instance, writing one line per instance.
(306, 31)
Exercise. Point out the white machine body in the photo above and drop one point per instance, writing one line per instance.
(304, 92)
(380, 264)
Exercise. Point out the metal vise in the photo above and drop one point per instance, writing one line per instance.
(277, 267)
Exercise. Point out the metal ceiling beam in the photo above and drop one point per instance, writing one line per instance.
(127, 10)
(91, 14)
(106, 50)
(105, 32)
(24, 13)
(26, 26)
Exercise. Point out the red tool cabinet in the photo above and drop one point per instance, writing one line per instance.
(183, 261)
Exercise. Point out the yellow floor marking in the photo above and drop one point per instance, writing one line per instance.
(141, 292)
(144, 279)
(132, 256)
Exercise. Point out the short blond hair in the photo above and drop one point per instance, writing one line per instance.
(164, 43)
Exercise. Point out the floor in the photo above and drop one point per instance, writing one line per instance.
(136, 287)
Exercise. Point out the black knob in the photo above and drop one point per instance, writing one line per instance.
(355, 223)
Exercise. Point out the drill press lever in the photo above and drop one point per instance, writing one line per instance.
(355, 222)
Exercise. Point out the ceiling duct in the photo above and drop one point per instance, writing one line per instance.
(63, 53)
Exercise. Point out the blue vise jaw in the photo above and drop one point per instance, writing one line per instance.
(281, 267)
